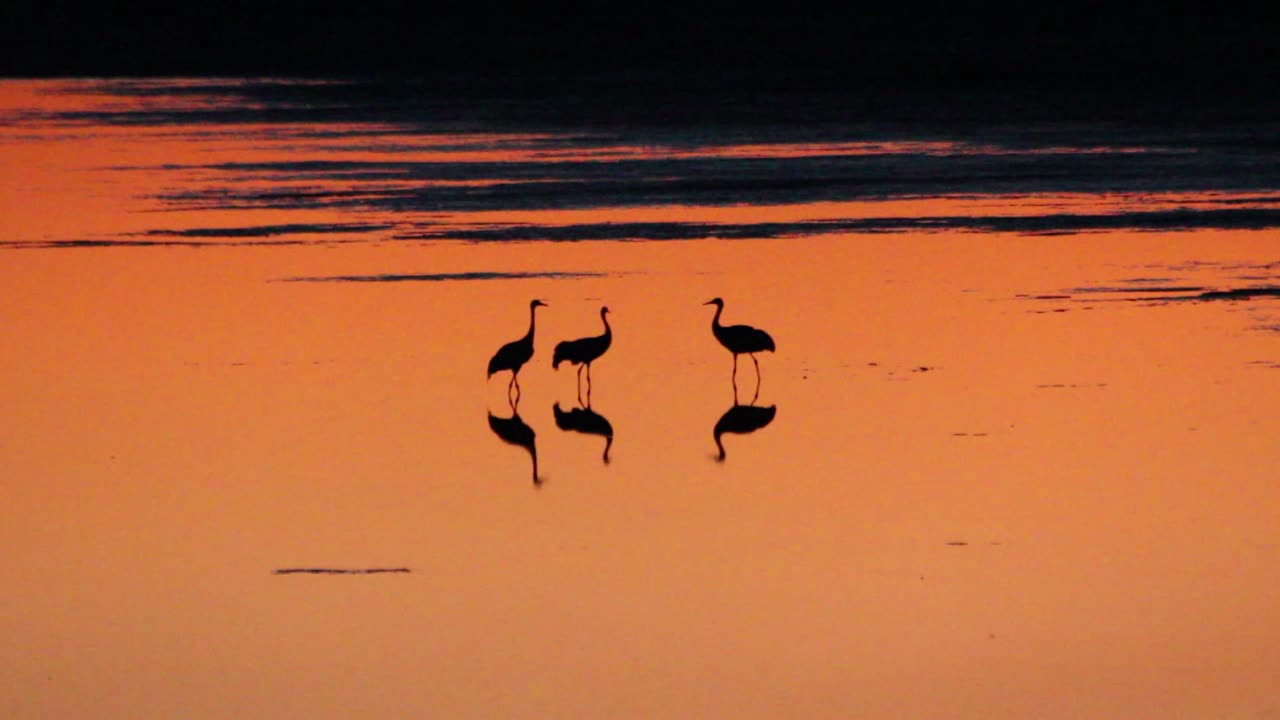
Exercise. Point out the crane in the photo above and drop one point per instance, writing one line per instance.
(515, 354)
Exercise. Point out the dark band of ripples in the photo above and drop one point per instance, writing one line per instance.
(445, 277)
(1177, 219)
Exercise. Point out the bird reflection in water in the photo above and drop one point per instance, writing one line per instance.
(587, 421)
(742, 419)
(515, 431)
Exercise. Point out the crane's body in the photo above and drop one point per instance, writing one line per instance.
(741, 339)
(584, 351)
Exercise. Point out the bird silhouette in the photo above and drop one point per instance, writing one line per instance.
(742, 419)
(585, 420)
(515, 431)
(740, 339)
(583, 351)
(515, 354)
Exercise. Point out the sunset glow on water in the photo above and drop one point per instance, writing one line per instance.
(1022, 460)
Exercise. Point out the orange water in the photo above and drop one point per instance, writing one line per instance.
(972, 502)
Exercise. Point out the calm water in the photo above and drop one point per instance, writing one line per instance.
(1015, 455)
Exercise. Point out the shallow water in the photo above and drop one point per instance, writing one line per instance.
(1021, 460)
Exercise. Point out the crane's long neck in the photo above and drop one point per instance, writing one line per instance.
(608, 332)
(533, 309)
(715, 321)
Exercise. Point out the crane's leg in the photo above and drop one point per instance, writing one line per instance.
(579, 384)
(514, 384)
(734, 378)
(757, 363)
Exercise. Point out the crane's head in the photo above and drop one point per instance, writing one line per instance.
(537, 303)
(604, 311)
(715, 301)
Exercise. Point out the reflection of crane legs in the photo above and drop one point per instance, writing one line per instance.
(758, 379)
(734, 379)
(587, 366)
(579, 386)
(513, 385)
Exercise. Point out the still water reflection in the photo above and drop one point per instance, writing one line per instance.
(1028, 466)
(741, 420)
(515, 431)
(585, 420)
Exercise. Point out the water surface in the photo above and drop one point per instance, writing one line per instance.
(1014, 456)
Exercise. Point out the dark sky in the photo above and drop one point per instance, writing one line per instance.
(906, 43)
